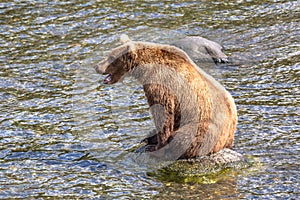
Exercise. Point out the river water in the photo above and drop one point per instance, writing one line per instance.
(63, 134)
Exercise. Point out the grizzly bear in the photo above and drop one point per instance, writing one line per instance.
(193, 114)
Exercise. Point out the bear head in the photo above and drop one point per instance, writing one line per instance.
(119, 61)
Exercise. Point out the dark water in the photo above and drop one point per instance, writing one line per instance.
(65, 135)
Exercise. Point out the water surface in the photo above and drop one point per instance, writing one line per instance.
(65, 135)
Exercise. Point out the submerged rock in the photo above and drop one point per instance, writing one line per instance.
(204, 169)
(226, 158)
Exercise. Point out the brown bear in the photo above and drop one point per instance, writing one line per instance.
(193, 114)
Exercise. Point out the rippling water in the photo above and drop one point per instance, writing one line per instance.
(64, 134)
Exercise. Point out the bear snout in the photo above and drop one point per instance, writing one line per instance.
(101, 67)
(96, 69)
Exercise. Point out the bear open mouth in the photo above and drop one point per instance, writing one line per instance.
(107, 79)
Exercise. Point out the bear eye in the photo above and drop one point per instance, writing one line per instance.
(111, 59)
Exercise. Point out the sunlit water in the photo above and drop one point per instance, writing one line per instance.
(63, 134)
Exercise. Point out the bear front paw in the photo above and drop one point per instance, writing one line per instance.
(150, 148)
(151, 140)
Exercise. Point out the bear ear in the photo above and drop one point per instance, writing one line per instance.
(124, 38)
(129, 44)
(131, 47)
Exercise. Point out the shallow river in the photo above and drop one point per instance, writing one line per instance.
(63, 134)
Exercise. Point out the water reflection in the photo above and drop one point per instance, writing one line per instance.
(63, 134)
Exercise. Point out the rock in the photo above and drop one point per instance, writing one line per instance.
(201, 49)
(204, 169)
(226, 158)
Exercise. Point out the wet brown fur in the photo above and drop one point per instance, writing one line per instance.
(160, 68)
